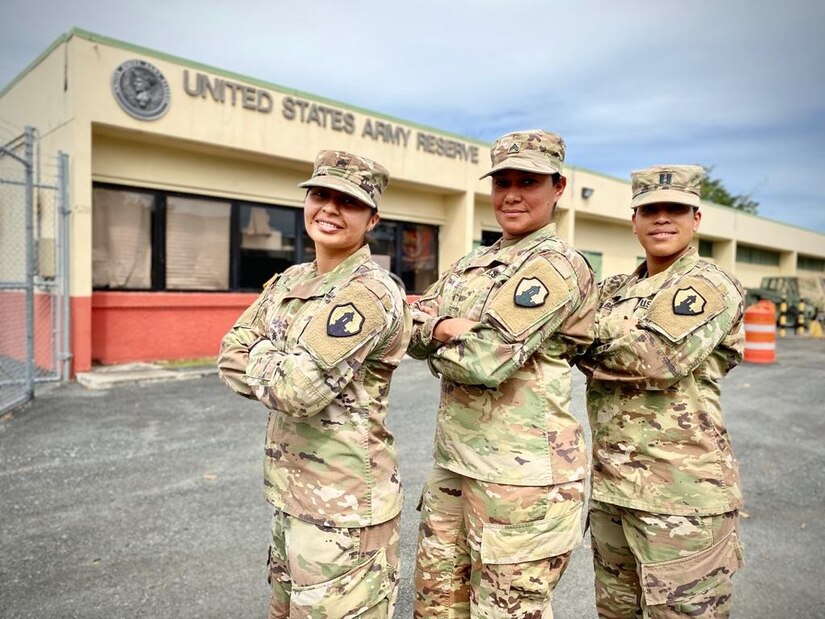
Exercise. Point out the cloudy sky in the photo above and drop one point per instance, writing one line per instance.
(734, 84)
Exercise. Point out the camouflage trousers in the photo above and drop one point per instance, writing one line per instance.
(493, 551)
(320, 572)
(661, 566)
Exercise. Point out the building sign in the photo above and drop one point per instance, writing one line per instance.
(140, 89)
(308, 112)
(224, 91)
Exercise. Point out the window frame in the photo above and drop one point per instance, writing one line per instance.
(158, 238)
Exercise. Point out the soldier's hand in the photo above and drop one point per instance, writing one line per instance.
(260, 346)
(427, 310)
(452, 327)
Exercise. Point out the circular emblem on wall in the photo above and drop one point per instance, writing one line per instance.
(140, 89)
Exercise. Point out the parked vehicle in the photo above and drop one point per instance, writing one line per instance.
(809, 289)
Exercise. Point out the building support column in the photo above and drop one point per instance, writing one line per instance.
(724, 255)
(566, 225)
(787, 262)
(80, 222)
(456, 238)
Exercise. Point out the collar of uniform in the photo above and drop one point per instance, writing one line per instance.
(645, 285)
(319, 285)
(509, 253)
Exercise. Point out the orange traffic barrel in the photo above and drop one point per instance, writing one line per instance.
(760, 332)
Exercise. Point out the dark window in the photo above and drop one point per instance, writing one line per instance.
(488, 237)
(756, 255)
(156, 240)
(267, 242)
(419, 256)
(809, 263)
(705, 248)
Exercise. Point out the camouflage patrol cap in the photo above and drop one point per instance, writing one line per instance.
(533, 150)
(353, 175)
(667, 183)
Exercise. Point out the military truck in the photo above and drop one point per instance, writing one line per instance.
(807, 288)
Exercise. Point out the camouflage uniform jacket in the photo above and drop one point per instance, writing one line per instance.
(662, 344)
(506, 383)
(322, 349)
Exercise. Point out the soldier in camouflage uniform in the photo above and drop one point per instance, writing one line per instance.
(665, 485)
(318, 349)
(501, 510)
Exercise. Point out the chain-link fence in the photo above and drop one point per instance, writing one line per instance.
(34, 294)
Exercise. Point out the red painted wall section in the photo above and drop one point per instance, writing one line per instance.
(81, 338)
(122, 327)
(136, 326)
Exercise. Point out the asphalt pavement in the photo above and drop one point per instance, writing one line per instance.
(145, 500)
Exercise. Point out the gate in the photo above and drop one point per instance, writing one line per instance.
(34, 277)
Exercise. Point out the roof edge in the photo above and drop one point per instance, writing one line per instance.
(63, 38)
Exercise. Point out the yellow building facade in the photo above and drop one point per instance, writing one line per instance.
(183, 195)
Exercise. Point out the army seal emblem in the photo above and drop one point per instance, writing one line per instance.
(141, 90)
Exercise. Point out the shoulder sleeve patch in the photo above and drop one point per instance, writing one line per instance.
(682, 308)
(533, 293)
(341, 327)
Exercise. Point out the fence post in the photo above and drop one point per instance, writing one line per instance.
(65, 354)
(28, 155)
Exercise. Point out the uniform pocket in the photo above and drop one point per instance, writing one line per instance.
(353, 594)
(692, 577)
(531, 541)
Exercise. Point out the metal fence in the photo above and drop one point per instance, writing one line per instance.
(34, 275)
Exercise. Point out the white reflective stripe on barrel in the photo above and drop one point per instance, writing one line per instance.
(760, 328)
(760, 345)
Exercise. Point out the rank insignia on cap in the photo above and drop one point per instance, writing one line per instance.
(514, 148)
(665, 178)
(688, 302)
(530, 292)
(344, 321)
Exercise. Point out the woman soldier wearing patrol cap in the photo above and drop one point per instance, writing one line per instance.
(665, 486)
(318, 349)
(501, 510)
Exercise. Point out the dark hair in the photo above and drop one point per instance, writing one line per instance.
(368, 238)
(555, 177)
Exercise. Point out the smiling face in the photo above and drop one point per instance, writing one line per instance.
(336, 221)
(665, 230)
(524, 201)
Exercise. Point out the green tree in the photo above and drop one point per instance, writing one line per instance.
(714, 191)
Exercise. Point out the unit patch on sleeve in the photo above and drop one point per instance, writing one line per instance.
(678, 311)
(344, 321)
(339, 329)
(532, 294)
(688, 302)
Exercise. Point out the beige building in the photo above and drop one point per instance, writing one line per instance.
(184, 200)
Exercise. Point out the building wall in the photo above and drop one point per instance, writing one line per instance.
(616, 243)
(751, 274)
